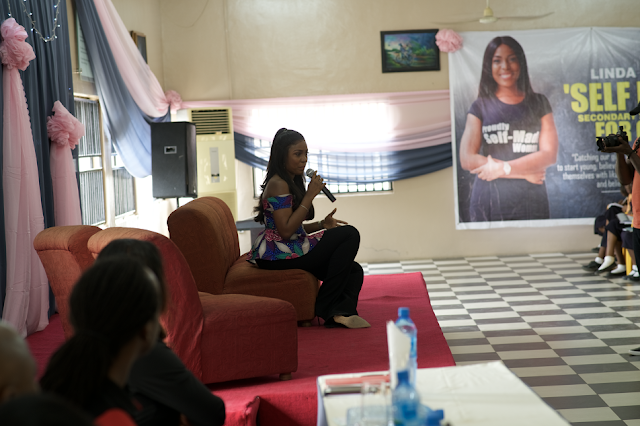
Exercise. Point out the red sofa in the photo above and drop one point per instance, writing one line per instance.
(218, 337)
(206, 233)
(215, 336)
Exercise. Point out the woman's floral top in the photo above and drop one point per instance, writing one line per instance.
(270, 246)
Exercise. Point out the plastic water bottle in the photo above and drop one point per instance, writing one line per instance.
(406, 402)
(407, 326)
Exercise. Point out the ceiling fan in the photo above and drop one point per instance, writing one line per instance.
(489, 18)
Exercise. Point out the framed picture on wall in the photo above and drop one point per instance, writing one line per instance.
(409, 50)
(141, 41)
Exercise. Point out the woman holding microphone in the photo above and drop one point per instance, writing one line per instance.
(326, 248)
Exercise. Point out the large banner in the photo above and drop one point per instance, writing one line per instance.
(527, 107)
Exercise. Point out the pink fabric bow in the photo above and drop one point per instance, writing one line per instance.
(63, 128)
(14, 51)
(448, 40)
(174, 100)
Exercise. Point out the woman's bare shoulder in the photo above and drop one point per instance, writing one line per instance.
(276, 186)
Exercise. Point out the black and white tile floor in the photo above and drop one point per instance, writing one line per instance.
(563, 331)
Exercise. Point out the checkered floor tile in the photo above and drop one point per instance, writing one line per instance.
(565, 332)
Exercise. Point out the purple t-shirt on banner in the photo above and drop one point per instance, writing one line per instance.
(508, 133)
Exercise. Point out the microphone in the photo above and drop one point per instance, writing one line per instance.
(328, 193)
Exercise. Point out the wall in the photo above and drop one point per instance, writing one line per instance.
(144, 16)
(233, 49)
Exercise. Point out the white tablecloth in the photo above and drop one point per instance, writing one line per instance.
(473, 395)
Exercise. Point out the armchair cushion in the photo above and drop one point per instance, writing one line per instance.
(295, 286)
(255, 335)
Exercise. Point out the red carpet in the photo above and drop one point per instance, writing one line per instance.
(44, 343)
(330, 351)
(320, 351)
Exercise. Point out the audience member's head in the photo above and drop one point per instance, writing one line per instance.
(143, 251)
(42, 410)
(17, 366)
(114, 310)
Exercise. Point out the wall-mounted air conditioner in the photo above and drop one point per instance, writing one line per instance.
(215, 153)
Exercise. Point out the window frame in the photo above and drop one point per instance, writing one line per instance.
(108, 167)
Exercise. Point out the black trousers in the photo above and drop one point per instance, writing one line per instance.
(332, 262)
(636, 244)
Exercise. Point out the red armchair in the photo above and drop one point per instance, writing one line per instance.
(64, 255)
(218, 337)
(206, 234)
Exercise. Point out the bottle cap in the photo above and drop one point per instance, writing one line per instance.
(403, 312)
(434, 417)
(403, 376)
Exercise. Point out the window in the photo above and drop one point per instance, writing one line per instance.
(106, 188)
(359, 166)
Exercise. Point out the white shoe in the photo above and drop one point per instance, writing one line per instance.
(608, 261)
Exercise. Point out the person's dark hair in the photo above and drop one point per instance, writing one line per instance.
(143, 251)
(623, 190)
(488, 85)
(111, 303)
(42, 410)
(282, 141)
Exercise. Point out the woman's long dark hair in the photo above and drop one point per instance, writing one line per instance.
(109, 306)
(282, 141)
(148, 254)
(488, 85)
(142, 251)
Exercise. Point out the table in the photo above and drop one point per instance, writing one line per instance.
(472, 395)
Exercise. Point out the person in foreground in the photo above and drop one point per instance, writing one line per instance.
(114, 309)
(328, 253)
(17, 366)
(159, 380)
(627, 171)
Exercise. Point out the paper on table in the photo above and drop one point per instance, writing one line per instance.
(399, 348)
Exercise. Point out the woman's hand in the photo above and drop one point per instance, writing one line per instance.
(494, 169)
(315, 185)
(330, 222)
(622, 148)
(491, 170)
(537, 177)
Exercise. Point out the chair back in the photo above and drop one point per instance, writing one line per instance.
(183, 317)
(206, 233)
(64, 254)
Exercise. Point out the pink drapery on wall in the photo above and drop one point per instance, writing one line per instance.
(347, 123)
(65, 132)
(27, 298)
(138, 77)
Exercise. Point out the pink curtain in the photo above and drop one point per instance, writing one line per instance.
(65, 132)
(347, 123)
(138, 77)
(27, 299)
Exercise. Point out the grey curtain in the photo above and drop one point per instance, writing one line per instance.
(368, 167)
(47, 79)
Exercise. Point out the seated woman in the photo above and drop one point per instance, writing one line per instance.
(286, 244)
(159, 380)
(114, 309)
(600, 228)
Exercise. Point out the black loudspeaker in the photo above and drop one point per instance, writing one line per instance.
(173, 160)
